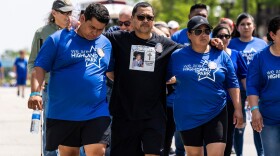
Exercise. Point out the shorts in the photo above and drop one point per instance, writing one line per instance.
(77, 133)
(137, 137)
(214, 130)
(21, 81)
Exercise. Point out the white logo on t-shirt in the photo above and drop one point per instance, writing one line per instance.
(206, 70)
(273, 74)
(92, 56)
(249, 54)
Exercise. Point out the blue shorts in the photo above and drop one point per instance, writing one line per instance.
(21, 81)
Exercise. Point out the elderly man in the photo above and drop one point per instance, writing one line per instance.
(124, 21)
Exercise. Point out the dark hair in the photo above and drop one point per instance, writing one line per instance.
(141, 5)
(98, 11)
(273, 26)
(218, 28)
(240, 17)
(50, 19)
(198, 6)
(82, 12)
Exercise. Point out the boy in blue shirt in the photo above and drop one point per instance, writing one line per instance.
(20, 69)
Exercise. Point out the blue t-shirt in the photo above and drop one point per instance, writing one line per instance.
(263, 80)
(77, 67)
(181, 37)
(247, 49)
(239, 65)
(21, 67)
(200, 87)
(113, 29)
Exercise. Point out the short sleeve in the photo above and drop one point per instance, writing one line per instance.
(47, 54)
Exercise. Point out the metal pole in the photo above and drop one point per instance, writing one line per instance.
(227, 12)
(245, 6)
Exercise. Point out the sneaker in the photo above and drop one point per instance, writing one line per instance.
(233, 151)
(171, 151)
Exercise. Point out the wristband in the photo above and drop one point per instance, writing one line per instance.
(254, 107)
(35, 94)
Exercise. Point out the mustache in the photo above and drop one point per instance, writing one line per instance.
(145, 24)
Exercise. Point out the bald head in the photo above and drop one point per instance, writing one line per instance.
(125, 16)
(126, 11)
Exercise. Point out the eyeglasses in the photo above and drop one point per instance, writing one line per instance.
(65, 13)
(227, 36)
(125, 23)
(142, 17)
(197, 32)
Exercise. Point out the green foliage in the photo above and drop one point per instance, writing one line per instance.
(178, 10)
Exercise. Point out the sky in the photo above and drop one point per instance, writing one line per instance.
(20, 19)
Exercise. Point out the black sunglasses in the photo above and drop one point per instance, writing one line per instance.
(125, 23)
(64, 13)
(198, 32)
(142, 17)
(227, 36)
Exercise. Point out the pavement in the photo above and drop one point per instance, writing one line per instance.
(15, 119)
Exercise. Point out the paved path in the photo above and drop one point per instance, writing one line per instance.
(15, 118)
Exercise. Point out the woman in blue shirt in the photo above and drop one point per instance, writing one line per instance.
(245, 42)
(202, 74)
(222, 32)
(263, 83)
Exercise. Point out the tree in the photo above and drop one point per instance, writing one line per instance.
(166, 10)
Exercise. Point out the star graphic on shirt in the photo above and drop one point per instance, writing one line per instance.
(206, 73)
(93, 58)
(249, 54)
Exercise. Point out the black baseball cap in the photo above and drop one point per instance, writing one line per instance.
(62, 5)
(197, 21)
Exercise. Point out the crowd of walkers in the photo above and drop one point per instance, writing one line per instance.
(129, 90)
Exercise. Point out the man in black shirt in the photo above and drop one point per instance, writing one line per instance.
(138, 98)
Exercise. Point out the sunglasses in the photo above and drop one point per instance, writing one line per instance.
(125, 23)
(142, 17)
(64, 13)
(198, 32)
(226, 36)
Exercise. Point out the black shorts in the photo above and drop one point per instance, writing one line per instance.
(77, 133)
(214, 130)
(134, 138)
